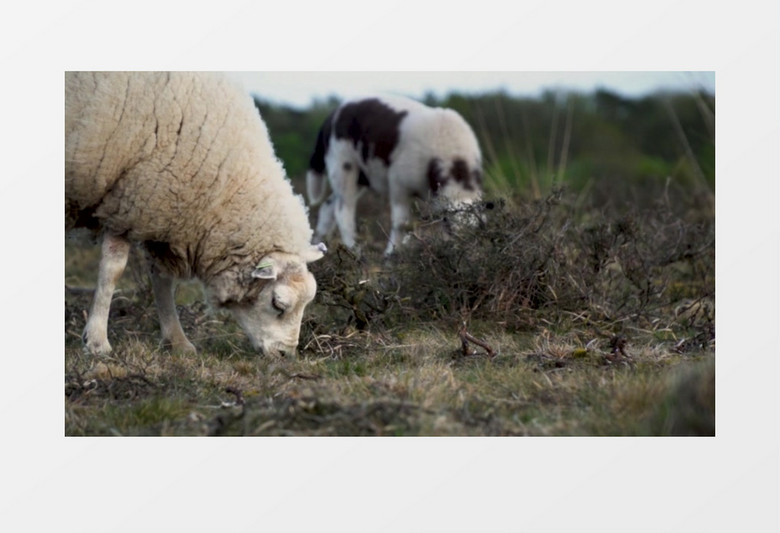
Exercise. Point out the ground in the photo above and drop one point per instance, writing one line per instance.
(623, 347)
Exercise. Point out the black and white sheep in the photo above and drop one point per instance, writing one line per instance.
(399, 148)
(182, 164)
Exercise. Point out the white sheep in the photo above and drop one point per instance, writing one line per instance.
(182, 164)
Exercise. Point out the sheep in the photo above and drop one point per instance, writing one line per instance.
(182, 164)
(399, 148)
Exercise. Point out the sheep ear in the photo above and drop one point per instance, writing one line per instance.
(314, 252)
(266, 269)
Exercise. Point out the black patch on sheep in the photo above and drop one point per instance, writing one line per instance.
(317, 160)
(459, 173)
(372, 125)
(436, 180)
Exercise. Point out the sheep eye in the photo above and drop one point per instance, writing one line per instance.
(280, 308)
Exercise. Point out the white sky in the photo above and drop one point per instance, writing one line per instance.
(299, 88)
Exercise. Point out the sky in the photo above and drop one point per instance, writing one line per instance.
(299, 88)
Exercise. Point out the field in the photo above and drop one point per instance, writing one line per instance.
(546, 318)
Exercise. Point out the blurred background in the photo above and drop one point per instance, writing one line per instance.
(612, 139)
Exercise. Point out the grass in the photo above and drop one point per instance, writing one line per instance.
(621, 354)
(421, 389)
(413, 381)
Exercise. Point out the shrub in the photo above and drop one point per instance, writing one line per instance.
(522, 262)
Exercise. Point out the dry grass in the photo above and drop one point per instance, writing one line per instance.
(417, 382)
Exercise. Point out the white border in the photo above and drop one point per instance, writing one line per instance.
(726, 483)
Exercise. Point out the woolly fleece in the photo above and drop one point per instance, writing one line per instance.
(182, 159)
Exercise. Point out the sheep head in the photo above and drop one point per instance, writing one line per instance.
(269, 302)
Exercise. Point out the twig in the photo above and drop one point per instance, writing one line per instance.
(299, 375)
(466, 338)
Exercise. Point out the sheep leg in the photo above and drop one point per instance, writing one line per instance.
(172, 333)
(113, 259)
(400, 210)
(345, 217)
(326, 219)
(344, 183)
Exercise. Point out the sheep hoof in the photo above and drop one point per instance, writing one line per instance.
(95, 346)
(183, 346)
